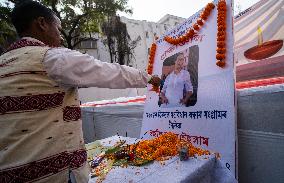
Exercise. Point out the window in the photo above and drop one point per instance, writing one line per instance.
(147, 34)
(89, 44)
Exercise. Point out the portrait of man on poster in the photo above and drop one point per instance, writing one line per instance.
(179, 79)
(177, 87)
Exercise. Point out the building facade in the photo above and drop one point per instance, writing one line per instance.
(142, 31)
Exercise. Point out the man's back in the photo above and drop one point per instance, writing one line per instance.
(40, 126)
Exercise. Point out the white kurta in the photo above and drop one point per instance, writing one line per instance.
(71, 68)
(174, 87)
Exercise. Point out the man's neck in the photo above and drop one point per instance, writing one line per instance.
(31, 39)
(176, 71)
(31, 35)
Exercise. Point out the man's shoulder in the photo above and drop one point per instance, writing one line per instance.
(59, 49)
(62, 50)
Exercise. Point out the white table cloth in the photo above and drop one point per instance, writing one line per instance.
(194, 170)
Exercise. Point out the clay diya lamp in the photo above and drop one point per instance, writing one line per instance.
(263, 50)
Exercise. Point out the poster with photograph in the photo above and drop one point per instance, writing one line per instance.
(196, 99)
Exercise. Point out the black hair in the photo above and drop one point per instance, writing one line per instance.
(175, 56)
(25, 12)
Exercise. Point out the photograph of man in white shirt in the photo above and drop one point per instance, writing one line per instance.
(177, 87)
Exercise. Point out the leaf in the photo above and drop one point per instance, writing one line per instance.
(120, 162)
(140, 162)
(113, 150)
(94, 149)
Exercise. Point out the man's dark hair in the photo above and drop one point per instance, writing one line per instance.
(25, 12)
(175, 56)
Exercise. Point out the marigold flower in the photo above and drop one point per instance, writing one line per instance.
(221, 23)
(150, 67)
(191, 31)
(207, 11)
(189, 35)
(220, 56)
(221, 63)
(196, 27)
(204, 17)
(187, 38)
(221, 8)
(222, 28)
(200, 22)
(221, 33)
(221, 50)
(221, 38)
(221, 44)
(183, 38)
(211, 5)
(221, 3)
(221, 16)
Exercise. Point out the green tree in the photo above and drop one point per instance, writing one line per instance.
(7, 31)
(81, 18)
(118, 41)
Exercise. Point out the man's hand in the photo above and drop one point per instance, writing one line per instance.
(155, 81)
(183, 101)
(164, 100)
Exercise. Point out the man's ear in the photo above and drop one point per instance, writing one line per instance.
(42, 23)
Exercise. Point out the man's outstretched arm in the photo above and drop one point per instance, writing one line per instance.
(72, 68)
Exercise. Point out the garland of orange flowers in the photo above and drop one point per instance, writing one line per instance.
(151, 58)
(151, 63)
(196, 27)
(189, 35)
(221, 34)
(164, 146)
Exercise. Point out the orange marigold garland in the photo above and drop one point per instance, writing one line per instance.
(151, 58)
(151, 64)
(166, 145)
(221, 34)
(195, 28)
